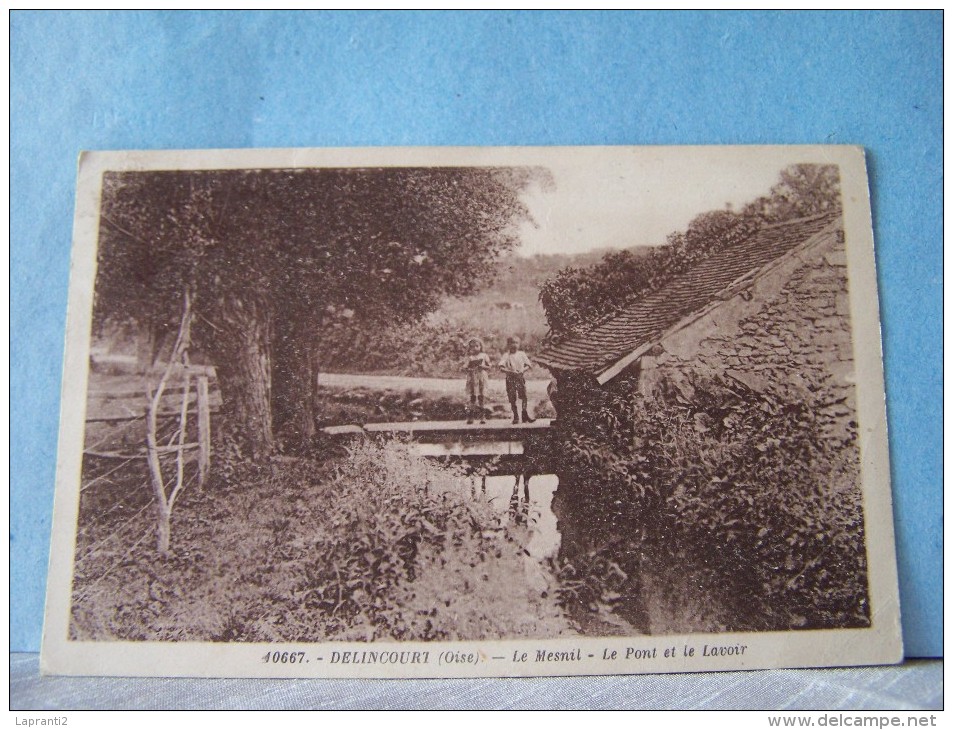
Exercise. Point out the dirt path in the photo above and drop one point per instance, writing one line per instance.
(134, 385)
(535, 389)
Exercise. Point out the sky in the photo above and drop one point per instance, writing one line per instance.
(636, 201)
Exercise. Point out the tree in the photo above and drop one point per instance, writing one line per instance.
(268, 256)
(802, 190)
(395, 243)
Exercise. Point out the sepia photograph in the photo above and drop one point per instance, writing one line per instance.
(470, 412)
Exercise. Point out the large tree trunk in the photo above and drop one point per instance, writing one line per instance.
(147, 342)
(239, 342)
(296, 404)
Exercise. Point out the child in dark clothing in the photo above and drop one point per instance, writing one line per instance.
(514, 364)
(477, 366)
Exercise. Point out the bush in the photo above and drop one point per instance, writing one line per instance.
(423, 558)
(733, 488)
(379, 544)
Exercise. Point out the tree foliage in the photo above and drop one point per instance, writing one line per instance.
(578, 299)
(732, 488)
(271, 256)
(383, 243)
(803, 190)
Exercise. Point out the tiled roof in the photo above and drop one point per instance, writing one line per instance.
(644, 320)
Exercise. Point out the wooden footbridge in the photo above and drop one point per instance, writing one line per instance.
(507, 446)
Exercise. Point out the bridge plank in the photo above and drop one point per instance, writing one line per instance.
(498, 424)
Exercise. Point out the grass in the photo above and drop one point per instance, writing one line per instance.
(263, 557)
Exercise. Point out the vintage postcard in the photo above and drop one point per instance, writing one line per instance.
(458, 412)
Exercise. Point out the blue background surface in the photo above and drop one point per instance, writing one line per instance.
(138, 80)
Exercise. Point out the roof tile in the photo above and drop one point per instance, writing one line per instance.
(693, 290)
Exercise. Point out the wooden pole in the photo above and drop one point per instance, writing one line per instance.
(165, 502)
(205, 428)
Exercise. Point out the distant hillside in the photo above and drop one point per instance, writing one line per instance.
(508, 306)
(517, 271)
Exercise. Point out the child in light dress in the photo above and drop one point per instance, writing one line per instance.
(477, 367)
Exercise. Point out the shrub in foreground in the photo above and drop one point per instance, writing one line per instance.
(378, 544)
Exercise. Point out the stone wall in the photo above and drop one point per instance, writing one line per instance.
(786, 335)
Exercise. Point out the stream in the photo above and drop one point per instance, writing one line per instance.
(536, 524)
(534, 516)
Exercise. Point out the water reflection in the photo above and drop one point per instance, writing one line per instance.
(530, 507)
(527, 501)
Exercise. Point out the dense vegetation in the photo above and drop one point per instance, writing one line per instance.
(726, 494)
(577, 299)
(733, 489)
(376, 544)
